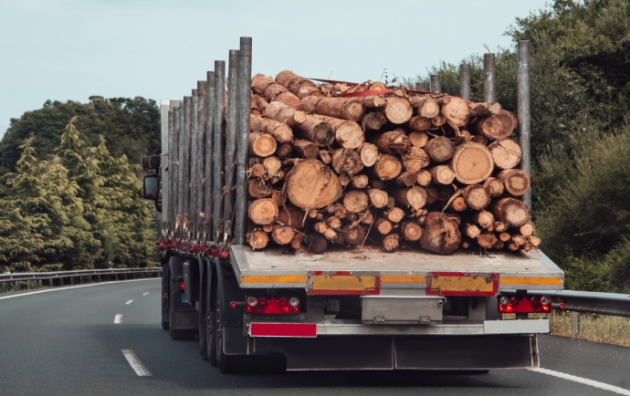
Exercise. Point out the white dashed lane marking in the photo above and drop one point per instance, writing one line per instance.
(135, 363)
(144, 294)
(584, 381)
(118, 319)
(128, 302)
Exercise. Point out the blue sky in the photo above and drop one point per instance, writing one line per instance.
(72, 49)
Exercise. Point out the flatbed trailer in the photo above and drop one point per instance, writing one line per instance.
(343, 309)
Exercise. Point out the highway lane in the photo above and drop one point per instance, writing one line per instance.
(66, 342)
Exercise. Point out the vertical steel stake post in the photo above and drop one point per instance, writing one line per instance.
(436, 83)
(524, 117)
(217, 133)
(230, 143)
(464, 81)
(201, 154)
(209, 156)
(489, 90)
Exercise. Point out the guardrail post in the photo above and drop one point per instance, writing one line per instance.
(17, 286)
(28, 285)
(575, 324)
(71, 280)
(4, 287)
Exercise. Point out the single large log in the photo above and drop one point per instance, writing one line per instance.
(391, 242)
(262, 144)
(348, 134)
(427, 106)
(398, 110)
(440, 149)
(346, 162)
(378, 198)
(257, 188)
(258, 104)
(373, 102)
(355, 201)
(343, 108)
(506, 153)
(414, 198)
(263, 211)
(511, 211)
(495, 186)
(516, 181)
(442, 175)
(373, 121)
(353, 234)
(415, 159)
(387, 167)
(258, 239)
(411, 231)
(291, 216)
(280, 131)
(456, 111)
(282, 235)
(472, 163)
(394, 142)
(369, 154)
(496, 127)
(312, 185)
(288, 115)
(419, 124)
(305, 149)
(419, 139)
(317, 131)
(383, 226)
(260, 82)
(477, 196)
(441, 234)
(300, 86)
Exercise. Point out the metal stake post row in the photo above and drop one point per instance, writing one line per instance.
(523, 96)
(242, 147)
(209, 157)
(230, 144)
(217, 139)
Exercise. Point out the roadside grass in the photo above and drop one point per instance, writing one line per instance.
(593, 327)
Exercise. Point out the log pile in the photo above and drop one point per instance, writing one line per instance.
(338, 166)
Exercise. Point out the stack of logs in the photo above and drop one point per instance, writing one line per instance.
(367, 165)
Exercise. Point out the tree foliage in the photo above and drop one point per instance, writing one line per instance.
(131, 126)
(79, 209)
(580, 102)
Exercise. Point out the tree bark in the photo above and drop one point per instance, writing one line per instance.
(516, 181)
(511, 211)
(260, 82)
(427, 106)
(280, 131)
(353, 234)
(343, 108)
(257, 188)
(407, 179)
(496, 127)
(487, 239)
(414, 198)
(441, 234)
(495, 187)
(291, 216)
(484, 109)
(394, 142)
(348, 134)
(317, 131)
(316, 243)
(419, 124)
(476, 196)
(391, 242)
(373, 121)
(305, 149)
(282, 235)
(346, 162)
(440, 149)
(280, 112)
(415, 159)
(456, 111)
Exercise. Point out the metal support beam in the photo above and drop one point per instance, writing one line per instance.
(217, 133)
(436, 83)
(464, 81)
(242, 146)
(489, 90)
(209, 156)
(230, 144)
(523, 105)
(201, 155)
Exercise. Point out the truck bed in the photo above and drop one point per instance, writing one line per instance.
(370, 268)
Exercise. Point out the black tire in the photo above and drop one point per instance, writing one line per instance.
(203, 326)
(212, 342)
(226, 363)
(179, 334)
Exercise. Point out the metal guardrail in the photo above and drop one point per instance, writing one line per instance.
(61, 278)
(577, 302)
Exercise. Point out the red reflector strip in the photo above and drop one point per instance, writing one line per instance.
(291, 330)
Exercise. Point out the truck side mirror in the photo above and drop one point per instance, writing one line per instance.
(151, 163)
(151, 187)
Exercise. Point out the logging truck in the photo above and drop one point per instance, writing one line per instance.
(287, 231)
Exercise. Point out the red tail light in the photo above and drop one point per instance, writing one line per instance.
(182, 286)
(272, 305)
(524, 304)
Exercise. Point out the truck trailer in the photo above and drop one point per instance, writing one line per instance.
(352, 309)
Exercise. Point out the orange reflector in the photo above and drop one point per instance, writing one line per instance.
(342, 283)
(462, 284)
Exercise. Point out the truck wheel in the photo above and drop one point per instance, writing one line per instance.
(211, 345)
(225, 362)
(203, 327)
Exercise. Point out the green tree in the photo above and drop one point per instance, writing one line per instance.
(130, 125)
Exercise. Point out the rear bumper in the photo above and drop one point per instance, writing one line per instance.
(346, 327)
(404, 352)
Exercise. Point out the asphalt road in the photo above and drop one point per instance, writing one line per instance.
(66, 342)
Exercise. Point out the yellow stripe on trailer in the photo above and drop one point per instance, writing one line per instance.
(249, 279)
(523, 280)
(403, 279)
